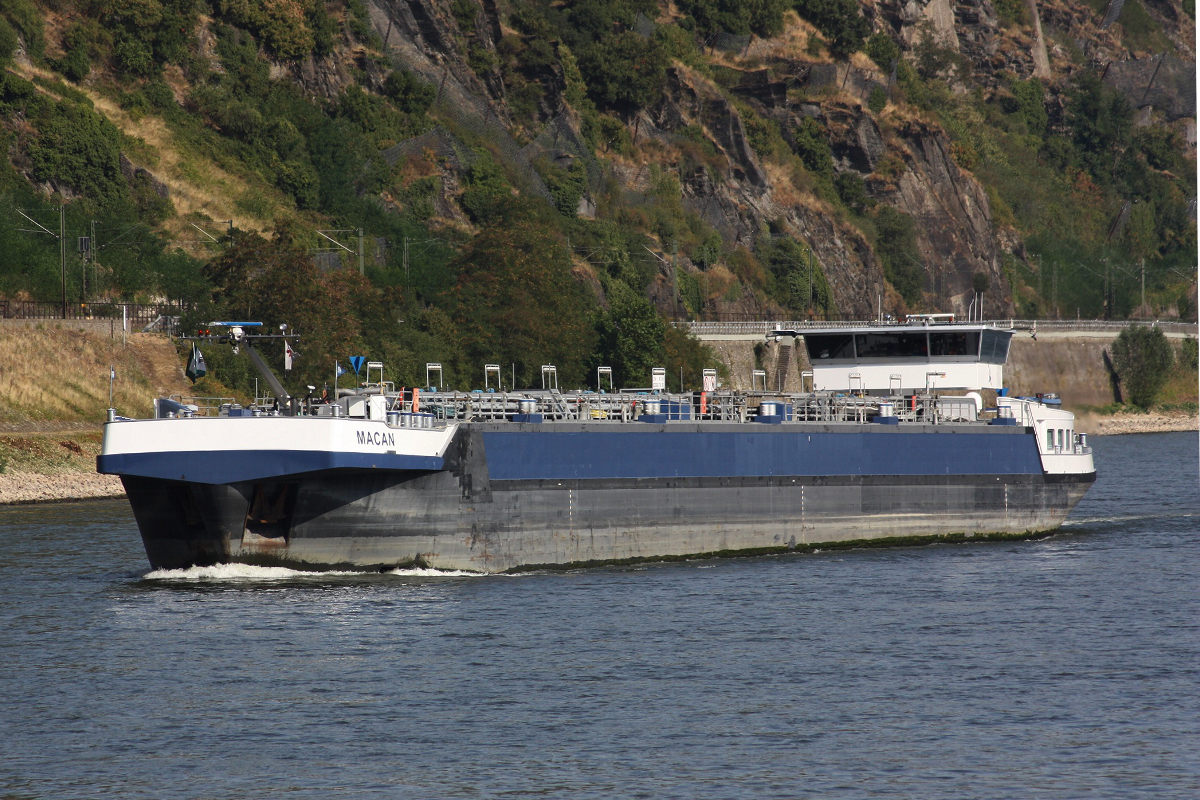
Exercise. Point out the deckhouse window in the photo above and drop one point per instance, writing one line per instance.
(825, 346)
(891, 345)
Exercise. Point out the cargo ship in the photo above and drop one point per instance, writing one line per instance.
(902, 433)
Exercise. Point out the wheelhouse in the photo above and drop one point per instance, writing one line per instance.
(890, 359)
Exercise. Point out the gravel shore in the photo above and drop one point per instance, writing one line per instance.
(30, 487)
(1137, 423)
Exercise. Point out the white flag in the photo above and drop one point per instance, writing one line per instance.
(288, 355)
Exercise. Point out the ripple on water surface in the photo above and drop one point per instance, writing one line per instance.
(1064, 667)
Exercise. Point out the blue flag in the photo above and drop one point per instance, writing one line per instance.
(338, 370)
(357, 362)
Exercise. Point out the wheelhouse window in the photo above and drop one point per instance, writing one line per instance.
(954, 343)
(994, 349)
(829, 346)
(891, 345)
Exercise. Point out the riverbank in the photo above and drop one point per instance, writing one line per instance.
(1150, 422)
(56, 464)
(17, 488)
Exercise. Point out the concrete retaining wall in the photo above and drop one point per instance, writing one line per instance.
(1072, 366)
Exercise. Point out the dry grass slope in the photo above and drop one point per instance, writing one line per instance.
(50, 372)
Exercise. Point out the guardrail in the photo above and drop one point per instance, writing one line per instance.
(763, 327)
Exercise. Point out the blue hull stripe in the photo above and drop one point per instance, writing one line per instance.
(250, 465)
(662, 454)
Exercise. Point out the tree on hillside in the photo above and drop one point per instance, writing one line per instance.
(1141, 357)
(631, 336)
(762, 17)
(840, 21)
(516, 302)
(684, 352)
(624, 70)
(337, 314)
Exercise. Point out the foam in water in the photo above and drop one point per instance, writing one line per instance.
(424, 572)
(247, 572)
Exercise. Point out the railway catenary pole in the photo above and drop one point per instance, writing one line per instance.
(62, 252)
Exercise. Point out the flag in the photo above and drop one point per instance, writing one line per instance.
(357, 363)
(338, 370)
(288, 355)
(196, 367)
(112, 372)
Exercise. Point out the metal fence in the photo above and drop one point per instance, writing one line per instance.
(137, 315)
(763, 327)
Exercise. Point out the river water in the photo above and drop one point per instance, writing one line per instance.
(1060, 668)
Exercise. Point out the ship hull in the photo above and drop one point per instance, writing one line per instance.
(563, 496)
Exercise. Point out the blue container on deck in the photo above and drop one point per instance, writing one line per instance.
(772, 412)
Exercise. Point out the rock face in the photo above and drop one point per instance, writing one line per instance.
(854, 138)
(906, 162)
(424, 36)
(953, 219)
(690, 100)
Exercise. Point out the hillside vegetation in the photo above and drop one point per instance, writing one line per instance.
(541, 182)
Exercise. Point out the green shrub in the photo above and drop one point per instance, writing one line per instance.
(419, 197)
(1142, 358)
(242, 120)
(761, 17)
(26, 19)
(485, 189)
(465, 13)
(1029, 103)
(896, 247)
(75, 63)
(410, 94)
(624, 70)
(877, 99)
(799, 282)
(812, 145)
(852, 190)
(78, 148)
(1189, 354)
(297, 178)
(883, 50)
(689, 293)
(159, 94)
(8, 42)
(708, 252)
(282, 25)
(1012, 12)
(135, 57)
(567, 186)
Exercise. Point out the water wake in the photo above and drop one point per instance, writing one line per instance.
(246, 572)
(1123, 518)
